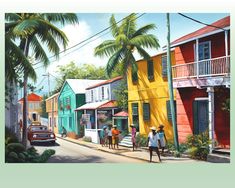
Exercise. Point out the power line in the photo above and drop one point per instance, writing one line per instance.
(85, 40)
(210, 25)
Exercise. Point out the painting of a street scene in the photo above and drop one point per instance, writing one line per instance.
(117, 88)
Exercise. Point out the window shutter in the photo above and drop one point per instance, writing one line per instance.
(146, 111)
(150, 67)
(164, 66)
(134, 108)
(169, 114)
(195, 118)
(134, 75)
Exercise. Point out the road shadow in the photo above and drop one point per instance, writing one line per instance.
(69, 159)
(45, 144)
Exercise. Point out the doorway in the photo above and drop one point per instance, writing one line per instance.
(200, 115)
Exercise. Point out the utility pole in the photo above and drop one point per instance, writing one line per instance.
(170, 85)
(52, 103)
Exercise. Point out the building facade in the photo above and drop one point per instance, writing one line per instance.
(100, 107)
(52, 110)
(202, 79)
(34, 107)
(72, 96)
(148, 98)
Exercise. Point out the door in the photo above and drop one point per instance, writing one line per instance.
(201, 116)
(34, 116)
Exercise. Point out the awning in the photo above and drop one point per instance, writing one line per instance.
(121, 114)
(97, 105)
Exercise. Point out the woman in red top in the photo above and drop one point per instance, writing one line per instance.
(115, 133)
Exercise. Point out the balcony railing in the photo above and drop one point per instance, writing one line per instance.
(205, 68)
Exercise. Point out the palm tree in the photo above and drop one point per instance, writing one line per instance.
(35, 31)
(127, 39)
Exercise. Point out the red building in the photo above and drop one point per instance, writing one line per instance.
(202, 79)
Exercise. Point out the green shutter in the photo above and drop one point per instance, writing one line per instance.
(134, 108)
(150, 70)
(168, 106)
(195, 118)
(134, 73)
(146, 111)
(164, 66)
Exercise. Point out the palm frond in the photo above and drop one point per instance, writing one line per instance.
(142, 52)
(128, 25)
(62, 18)
(113, 61)
(145, 41)
(114, 27)
(144, 30)
(40, 53)
(12, 17)
(107, 48)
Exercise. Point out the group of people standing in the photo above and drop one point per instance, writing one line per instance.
(109, 136)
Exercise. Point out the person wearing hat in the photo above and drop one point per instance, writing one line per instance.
(102, 136)
(162, 138)
(115, 134)
(109, 135)
(153, 143)
(133, 136)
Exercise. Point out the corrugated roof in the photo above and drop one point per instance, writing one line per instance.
(91, 106)
(121, 114)
(32, 97)
(105, 82)
(222, 23)
(110, 104)
(80, 85)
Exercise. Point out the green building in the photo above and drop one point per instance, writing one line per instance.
(72, 96)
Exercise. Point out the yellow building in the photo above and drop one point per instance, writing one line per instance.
(148, 98)
(52, 110)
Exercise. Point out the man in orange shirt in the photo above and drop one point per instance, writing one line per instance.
(115, 134)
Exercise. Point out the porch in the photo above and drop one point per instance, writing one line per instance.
(209, 72)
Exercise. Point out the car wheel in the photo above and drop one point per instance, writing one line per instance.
(53, 142)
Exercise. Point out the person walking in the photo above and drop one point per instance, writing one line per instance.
(153, 143)
(64, 132)
(162, 138)
(109, 133)
(133, 136)
(115, 134)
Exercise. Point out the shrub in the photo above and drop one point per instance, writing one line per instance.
(141, 140)
(10, 137)
(171, 147)
(87, 138)
(198, 145)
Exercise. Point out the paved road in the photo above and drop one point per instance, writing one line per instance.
(67, 152)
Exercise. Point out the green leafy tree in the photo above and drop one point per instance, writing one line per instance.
(127, 40)
(35, 32)
(44, 114)
(121, 93)
(85, 71)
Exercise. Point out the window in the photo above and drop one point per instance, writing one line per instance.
(102, 92)
(134, 74)
(204, 50)
(70, 122)
(169, 115)
(146, 111)
(164, 66)
(135, 109)
(150, 70)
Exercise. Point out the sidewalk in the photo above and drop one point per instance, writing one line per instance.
(140, 153)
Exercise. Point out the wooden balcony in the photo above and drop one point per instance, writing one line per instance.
(212, 72)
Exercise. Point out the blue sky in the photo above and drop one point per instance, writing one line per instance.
(91, 23)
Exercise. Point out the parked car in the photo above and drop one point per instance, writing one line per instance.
(40, 134)
(36, 123)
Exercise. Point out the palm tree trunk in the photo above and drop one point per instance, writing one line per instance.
(25, 102)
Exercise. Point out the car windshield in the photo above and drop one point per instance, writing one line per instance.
(39, 128)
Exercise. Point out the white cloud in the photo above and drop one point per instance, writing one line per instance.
(76, 34)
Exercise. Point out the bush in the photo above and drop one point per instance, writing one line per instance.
(87, 138)
(171, 147)
(198, 145)
(10, 137)
(141, 140)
